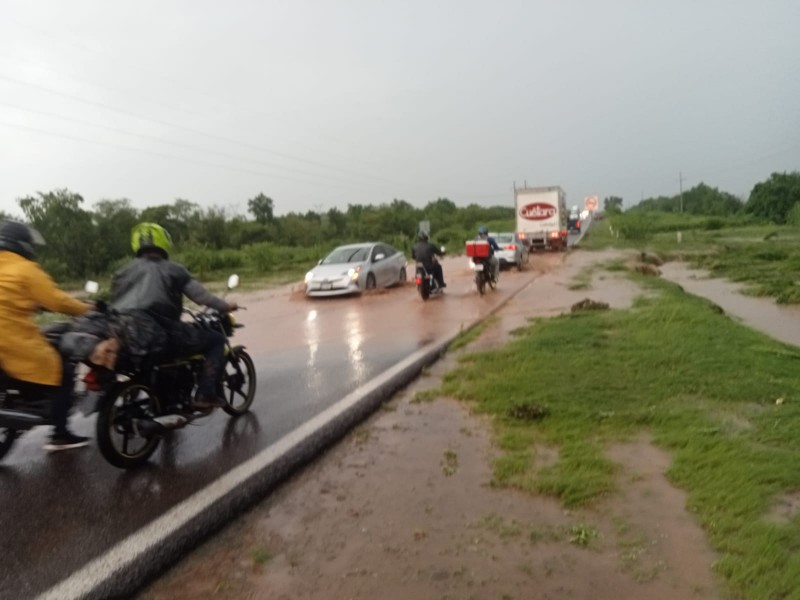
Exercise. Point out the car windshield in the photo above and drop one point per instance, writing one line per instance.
(347, 254)
(504, 238)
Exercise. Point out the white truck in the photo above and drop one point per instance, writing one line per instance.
(542, 217)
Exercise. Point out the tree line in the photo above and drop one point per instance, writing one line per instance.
(85, 242)
(776, 200)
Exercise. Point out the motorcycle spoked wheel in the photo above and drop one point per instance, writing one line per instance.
(238, 383)
(120, 443)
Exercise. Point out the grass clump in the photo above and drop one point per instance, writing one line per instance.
(677, 368)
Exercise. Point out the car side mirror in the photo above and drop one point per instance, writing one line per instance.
(380, 256)
(233, 281)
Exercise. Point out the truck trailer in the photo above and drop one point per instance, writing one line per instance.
(542, 217)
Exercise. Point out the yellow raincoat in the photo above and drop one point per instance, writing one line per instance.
(24, 352)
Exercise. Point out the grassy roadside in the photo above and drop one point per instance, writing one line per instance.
(766, 258)
(723, 399)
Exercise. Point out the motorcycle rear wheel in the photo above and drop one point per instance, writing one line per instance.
(480, 282)
(117, 435)
(423, 290)
(238, 383)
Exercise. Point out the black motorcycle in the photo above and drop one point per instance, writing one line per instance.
(484, 274)
(139, 402)
(427, 286)
(139, 405)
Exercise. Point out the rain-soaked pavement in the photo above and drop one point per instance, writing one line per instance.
(57, 512)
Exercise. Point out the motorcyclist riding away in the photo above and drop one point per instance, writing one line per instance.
(25, 354)
(424, 252)
(483, 234)
(156, 285)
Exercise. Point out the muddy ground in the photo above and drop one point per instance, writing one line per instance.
(403, 508)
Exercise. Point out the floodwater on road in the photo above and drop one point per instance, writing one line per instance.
(779, 321)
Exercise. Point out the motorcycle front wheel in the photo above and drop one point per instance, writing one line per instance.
(118, 437)
(238, 383)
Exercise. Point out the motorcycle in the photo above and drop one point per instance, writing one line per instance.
(427, 285)
(24, 406)
(484, 274)
(138, 406)
(138, 403)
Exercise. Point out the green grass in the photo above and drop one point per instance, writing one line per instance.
(676, 368)
(466, 337)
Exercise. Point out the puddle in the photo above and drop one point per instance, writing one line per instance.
(779, 321)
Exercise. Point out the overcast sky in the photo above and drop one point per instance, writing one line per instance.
(324, 103)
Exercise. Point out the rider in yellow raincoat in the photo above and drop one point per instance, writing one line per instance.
(25, 354)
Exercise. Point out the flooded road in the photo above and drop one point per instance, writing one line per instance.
(777, 320)
(57, 512)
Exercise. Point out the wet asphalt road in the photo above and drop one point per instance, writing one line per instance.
(60, 511)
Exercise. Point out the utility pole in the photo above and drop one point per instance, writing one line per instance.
(680, 183)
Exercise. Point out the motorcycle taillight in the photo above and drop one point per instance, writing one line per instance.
(418, 280)
(92, 381)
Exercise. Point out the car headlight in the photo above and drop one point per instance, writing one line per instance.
(309, 276)
(353, 273)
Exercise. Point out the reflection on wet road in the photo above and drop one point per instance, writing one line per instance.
(58, 512)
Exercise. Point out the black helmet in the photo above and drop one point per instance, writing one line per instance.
(423, 237)
(19, 238)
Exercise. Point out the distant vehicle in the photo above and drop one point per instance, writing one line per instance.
(513, 252)
(542, 217)
(354, 268)
(574, 221)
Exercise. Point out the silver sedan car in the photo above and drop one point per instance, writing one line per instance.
(512, 251)
(354, 268)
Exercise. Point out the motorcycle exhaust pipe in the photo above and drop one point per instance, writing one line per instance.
(16, 419)
(161, 424)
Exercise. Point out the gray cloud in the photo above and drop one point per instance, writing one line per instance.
(321, 104)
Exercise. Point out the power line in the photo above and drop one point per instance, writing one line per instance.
(188, 129)
(145, 151)
(180, 144)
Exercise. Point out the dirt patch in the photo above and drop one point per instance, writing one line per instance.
(403, 508)
(786, 508)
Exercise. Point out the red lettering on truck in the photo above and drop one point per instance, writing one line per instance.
(537, 211)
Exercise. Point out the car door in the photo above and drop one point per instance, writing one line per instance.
(394, 263)
(378, 267)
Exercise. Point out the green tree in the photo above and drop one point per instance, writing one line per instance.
(261, 207)
(114, 220)
(177, 218)
(774, 198)
(69, 231)
(612, 204)
(700, 200)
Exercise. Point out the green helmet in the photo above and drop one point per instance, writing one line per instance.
(151, 237)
